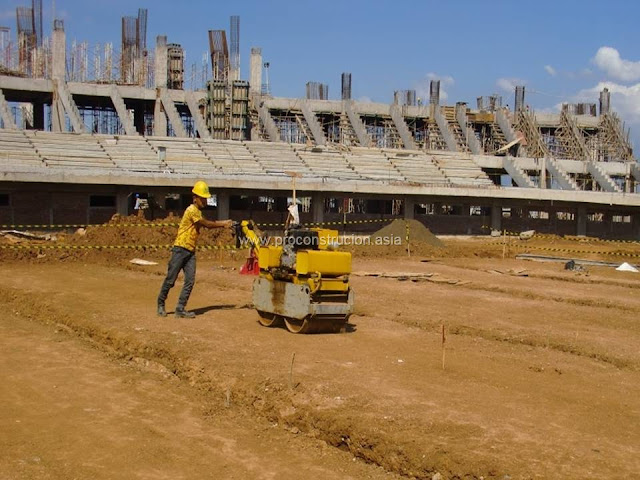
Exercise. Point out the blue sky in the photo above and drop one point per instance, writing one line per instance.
(475, 47)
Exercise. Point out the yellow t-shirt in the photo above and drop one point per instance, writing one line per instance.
(188, 230)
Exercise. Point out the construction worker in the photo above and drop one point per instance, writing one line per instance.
(183, 253)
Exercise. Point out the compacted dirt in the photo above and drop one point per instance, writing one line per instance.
(541, 374)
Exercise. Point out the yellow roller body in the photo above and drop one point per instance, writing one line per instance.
(325, 262)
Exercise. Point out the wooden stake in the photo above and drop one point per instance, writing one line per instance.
(293, 357)
(444, 339)
(504, 242)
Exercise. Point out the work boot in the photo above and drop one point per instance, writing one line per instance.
(161, 311)
(182, 313)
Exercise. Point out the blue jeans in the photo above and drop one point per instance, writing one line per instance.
(181, 259)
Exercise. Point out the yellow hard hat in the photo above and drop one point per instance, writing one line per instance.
(201, 189)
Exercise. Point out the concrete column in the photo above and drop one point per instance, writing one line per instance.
(223, 205)
(409, 208)
(317, 207)
(122, 203)
(161, 60)
(58, 55)
(581, 221)
(159, 118)
(138, 118)
(496, 217)
(635, 225)
(255, 71)
(58, 72)
(38, 115)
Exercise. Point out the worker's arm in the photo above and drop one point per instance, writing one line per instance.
(217, 224)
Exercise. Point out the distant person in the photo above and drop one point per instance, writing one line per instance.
(183, 253)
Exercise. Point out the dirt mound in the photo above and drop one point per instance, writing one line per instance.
(134, 235)
(418, 234)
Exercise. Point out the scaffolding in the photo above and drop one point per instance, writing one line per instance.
(317, 91)
(133, 58)
(234, 48)
(219, 52)
(527, 125)
(569, 140)
(613, 142)
(175, 66)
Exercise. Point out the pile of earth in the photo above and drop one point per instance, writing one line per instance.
(399, 229)
(390, 241)
(150, 239)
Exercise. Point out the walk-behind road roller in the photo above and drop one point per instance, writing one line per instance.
(303, 281)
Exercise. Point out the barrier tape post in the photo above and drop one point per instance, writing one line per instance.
(406, 226)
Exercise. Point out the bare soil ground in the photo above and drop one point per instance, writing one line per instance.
(541, 377)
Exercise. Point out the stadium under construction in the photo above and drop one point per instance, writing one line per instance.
(85, 130)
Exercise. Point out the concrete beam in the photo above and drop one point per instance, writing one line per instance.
(267, 121)
(314, 125)
(5, 113)
(63, 93)
(172, 113)
(356, 123)
(401, 126)
(274, 182)
(201, 126)
(159, 119)
(121, 110)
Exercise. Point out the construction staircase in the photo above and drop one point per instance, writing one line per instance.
(301, 121)
(526, 123)
(347, 133)
(561, 177)
(402, 128)
(392, 136)
(502, 129)
(435, 140)
(600, 176)
(356, 122)
(520, 176)
(615, 143)
(470, 135)
(458, 135)
(571, 139)
(268, 125)
(313, 124)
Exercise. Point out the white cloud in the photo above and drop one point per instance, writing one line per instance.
(509, 84)
(608, 59)
(365, 99)
(550, 70)
(423, 86)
